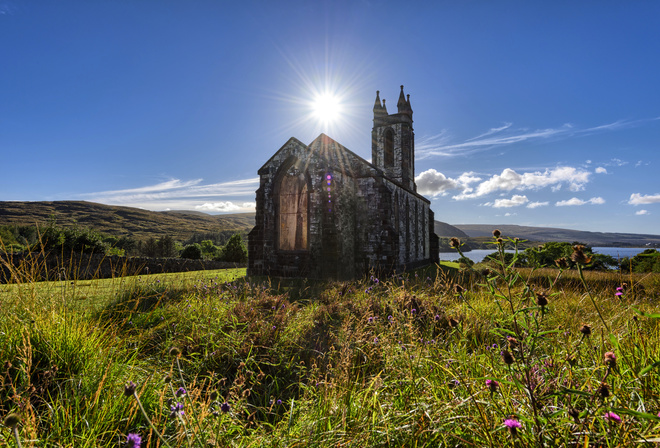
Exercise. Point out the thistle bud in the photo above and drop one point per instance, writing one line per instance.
(455, 242)
(507, 357)
(585, 329)
(541, 299)
(603, 390)
(129, 388)
(610, 359)
(496, 233)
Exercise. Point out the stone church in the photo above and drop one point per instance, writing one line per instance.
(325, 212)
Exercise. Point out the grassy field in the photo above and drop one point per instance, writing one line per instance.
(436, 357)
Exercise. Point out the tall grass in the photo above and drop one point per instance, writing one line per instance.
(493, 356)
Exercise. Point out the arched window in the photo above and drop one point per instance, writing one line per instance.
(292, 220)
(389, 148)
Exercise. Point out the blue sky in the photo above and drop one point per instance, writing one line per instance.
(530, 113)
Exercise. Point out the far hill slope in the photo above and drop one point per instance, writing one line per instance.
(120, 221)
(546, 234)
(444, 230)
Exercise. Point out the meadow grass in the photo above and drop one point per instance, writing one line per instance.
(491, 356)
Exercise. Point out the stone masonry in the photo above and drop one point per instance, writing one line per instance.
(324, 212)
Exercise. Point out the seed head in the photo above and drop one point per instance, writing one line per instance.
(603, 390)
(541, 299)
(455, 242)
(513, 342)
(12, 420)
(562, 263)
(129, 388)
(578, 255)
(496, 233)
(507, 357)
(585, 329)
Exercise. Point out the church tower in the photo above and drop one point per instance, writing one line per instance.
(393, 141)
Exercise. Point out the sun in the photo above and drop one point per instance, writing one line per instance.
(326, 108)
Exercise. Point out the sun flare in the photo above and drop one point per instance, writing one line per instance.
(327, 108)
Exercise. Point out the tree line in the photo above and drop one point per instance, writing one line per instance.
(218, 246)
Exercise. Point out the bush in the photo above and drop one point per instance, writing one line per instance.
(192, 252)
(235, 251)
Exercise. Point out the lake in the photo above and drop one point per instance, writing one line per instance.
(478, 255)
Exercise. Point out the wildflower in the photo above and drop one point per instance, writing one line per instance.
(562, 263)
(133, 440)
(454, 242)
(176, 409)
(437, 317)
(496, 233)
(500, 240)
(180, 392)
(612, 417)
(370, 320)
(413, 311)
(603, 390)
(492, 385)
(129, 388)
(619, 291)
(507, 357)
(278, 402)
(610, 359)
(585, 329)
(513, 425)
(224, 407)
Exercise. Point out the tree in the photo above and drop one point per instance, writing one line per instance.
(235, 251)
(210, 250)
(192, 252)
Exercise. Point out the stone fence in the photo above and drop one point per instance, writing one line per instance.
(85, 267)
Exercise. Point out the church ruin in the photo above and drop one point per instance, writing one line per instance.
(325, 212)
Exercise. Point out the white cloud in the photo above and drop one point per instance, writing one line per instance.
(515, 201)
(433, 183)
(227, 206)
(537, 204)
(642, 212)
(250, 205)
(576, 201)
(510, 179)
(601, 170)
(638, 199)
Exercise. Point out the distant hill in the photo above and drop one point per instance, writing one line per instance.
(122, 221)
(181, 224)
(546, 234)
(444, 230)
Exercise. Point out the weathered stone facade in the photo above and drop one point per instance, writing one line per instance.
(324, 212)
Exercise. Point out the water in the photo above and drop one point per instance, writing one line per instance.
(478, 255)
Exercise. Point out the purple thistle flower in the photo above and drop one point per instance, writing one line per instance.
(133, 440)
(176, 409)
(492, 385)
(513, 425)
(612, 417)
(278, 402)
(224, 407)
(180, 392)
(370, 320)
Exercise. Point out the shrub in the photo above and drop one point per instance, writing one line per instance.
(192, 252)
(235, 251)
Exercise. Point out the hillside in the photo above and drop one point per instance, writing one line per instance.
(545, 234)
(122, 221)
(181, 224)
